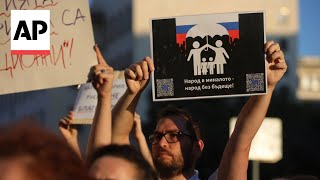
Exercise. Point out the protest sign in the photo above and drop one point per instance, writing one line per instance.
(86, 101)
(206, 56)
(71, 47)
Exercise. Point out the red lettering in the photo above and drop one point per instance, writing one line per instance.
(20, 62)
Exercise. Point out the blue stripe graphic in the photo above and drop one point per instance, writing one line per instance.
(230, 25)
(183, 29)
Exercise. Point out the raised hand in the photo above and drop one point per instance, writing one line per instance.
(143, 146)
(137, 75)
(102, 76)
(276, 63)
(69, 132)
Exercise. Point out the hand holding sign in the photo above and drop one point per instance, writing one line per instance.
(102, 76)
(137, 75)
(276, 63)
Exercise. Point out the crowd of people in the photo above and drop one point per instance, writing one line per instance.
(29, 152)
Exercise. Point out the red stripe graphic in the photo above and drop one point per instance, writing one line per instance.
(180, 38)
(234, 34)
(30, 52)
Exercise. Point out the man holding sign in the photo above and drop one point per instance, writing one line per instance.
(175, 143)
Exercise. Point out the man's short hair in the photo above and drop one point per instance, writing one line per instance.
(192, 125)
(129, 154)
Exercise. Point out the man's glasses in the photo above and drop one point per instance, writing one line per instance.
(171, 137)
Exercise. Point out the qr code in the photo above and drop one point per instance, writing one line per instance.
(255, 82)
(165, 87)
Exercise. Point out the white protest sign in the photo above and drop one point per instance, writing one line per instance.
(71, 49)
(267, 144)
(86, 101)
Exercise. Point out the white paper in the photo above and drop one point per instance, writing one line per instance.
(86, 101)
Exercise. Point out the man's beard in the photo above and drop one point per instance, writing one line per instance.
(173, 166)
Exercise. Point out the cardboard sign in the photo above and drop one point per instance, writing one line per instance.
(71, 48)
(86, 101)
(206, 56)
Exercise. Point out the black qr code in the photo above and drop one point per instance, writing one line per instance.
(165, 87)
(255, 82)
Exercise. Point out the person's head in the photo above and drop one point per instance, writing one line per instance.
(196, 44)
(218, 43)
(29, 152)
(120, 162)
(176, 142)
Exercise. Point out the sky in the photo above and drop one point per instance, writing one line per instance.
(308, 38)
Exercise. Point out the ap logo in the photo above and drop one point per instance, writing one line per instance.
(30, 32)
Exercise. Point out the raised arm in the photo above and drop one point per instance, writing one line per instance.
(70, 132)
(137, 78)
(141, 139)
(102, 78)
(234, 163)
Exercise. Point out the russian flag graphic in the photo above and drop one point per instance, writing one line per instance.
(182, 30)
(181, 33)
(232, 28)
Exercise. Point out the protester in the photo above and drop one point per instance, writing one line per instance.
(175, 147)
(120, 162)
(102, 79)
(70, 133)
(114, 161)
(110, 161)
(29, 152)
